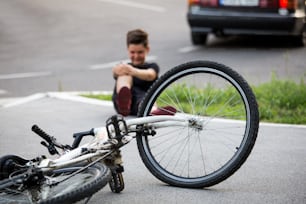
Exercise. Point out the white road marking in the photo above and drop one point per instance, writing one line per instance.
(2, 91)
(24, 75)
(188, 49)
(136, 5)
(109, 65)
(24, 100)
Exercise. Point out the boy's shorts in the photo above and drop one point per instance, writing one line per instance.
(137, 96)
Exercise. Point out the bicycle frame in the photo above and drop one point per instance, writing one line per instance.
(95, 149)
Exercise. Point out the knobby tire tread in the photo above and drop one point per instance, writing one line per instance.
(80, 193)
(86, 190)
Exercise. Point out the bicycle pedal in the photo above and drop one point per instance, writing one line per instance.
(116, 127)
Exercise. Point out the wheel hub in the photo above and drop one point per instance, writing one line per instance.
(196, 124)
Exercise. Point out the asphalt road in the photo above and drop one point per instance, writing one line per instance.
(274, 172)
(71, 45)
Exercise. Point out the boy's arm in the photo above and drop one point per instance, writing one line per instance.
(126, 69)
(144, 74)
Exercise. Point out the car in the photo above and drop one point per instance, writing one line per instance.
(247, 17)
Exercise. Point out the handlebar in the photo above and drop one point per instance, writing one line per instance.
(42, 134)
(52, 143)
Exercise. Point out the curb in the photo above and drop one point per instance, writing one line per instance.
(71, 96)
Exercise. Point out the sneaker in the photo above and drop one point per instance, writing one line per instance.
(124, 101)
(167, 110)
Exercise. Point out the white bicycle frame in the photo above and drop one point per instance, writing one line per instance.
(100, 137)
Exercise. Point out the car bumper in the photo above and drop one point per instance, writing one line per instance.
(227, 22)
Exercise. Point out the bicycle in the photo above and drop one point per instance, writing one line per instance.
(205, 138)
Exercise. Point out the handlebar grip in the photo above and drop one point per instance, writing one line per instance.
(41, 133)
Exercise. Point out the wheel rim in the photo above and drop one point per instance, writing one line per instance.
(198, 152)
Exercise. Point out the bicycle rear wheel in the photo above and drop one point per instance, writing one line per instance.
(82, 185)
(222, 127)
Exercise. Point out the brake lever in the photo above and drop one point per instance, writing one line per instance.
(51, 148)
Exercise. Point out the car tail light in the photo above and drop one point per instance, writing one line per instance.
(206, 3)
(282, 4)
(288, 4)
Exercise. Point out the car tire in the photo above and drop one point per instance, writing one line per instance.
(298, 40)
(198, 38)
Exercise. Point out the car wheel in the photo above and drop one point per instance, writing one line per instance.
(298, 40)
(198, 38)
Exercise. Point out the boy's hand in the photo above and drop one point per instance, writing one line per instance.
(123, 69)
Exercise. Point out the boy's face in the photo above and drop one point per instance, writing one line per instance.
(137, 53)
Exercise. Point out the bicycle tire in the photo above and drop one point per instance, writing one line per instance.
(222, 128)
(76, 188)
(9, 163)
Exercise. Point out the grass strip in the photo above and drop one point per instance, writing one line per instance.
(280, 101)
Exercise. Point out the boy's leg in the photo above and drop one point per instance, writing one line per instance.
(137, 97)
(124, 81)
(124, 97)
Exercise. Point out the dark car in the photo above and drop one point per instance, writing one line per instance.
(247, 17)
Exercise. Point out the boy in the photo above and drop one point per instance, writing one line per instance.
(135, 78)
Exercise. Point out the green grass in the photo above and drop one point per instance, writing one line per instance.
(106, 97)
(279, 101)
(282, 101)
(208, 101)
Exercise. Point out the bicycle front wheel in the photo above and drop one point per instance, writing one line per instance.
(67, 190)
(222, 126)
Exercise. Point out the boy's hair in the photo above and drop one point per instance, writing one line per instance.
(137, 36)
